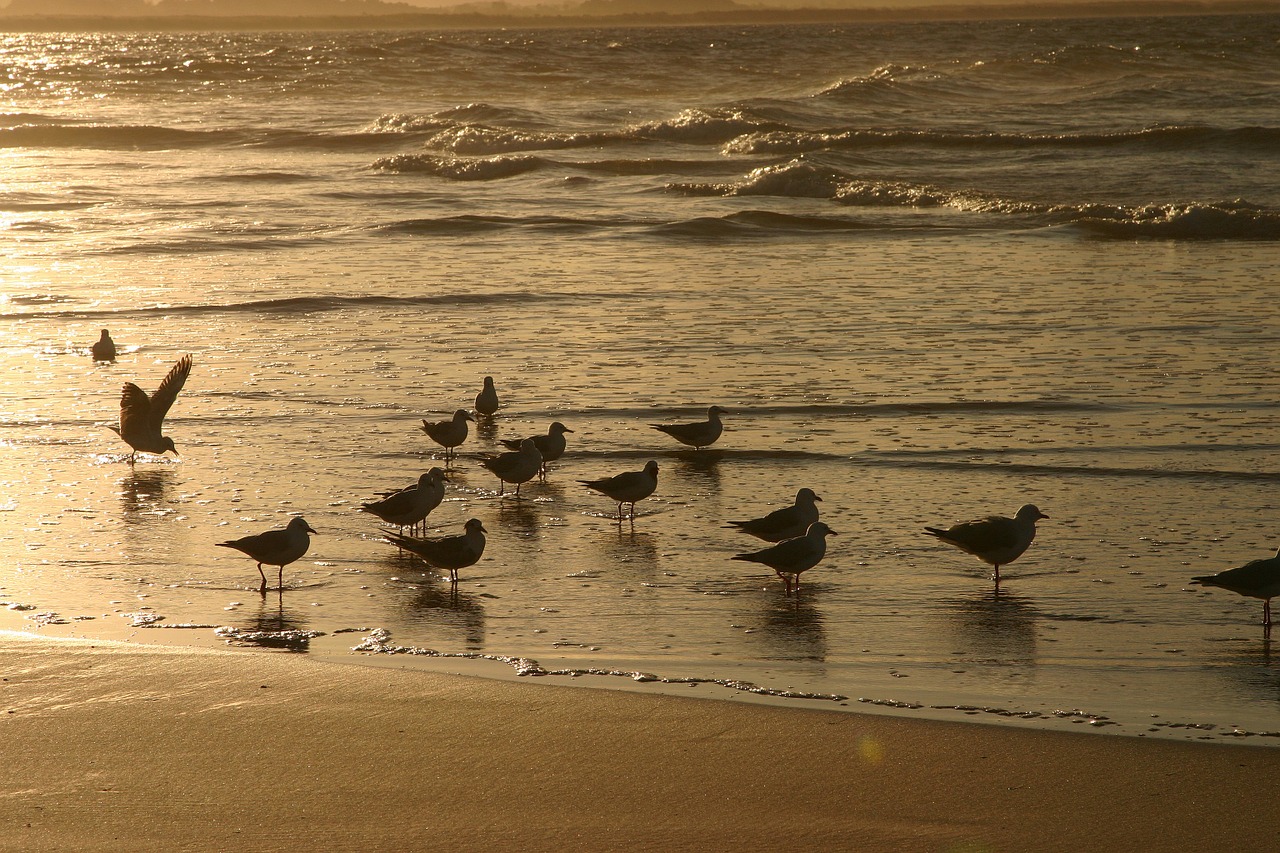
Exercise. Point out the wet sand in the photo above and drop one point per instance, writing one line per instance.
(128, 747)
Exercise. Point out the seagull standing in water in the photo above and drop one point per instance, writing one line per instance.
(449, 434)
(142, 417)
(995, 540)
(786, 523)
(793, 556)
(697, 435)
(1256, 579)
(411, 505)
(627, 488)
(275, 547)
(551, 446)
(517, 467)
(450, 552)
(104, 349)
(487, 399)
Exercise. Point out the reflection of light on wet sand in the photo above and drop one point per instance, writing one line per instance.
(870, 750)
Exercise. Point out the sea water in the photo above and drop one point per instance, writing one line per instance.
(933, 271)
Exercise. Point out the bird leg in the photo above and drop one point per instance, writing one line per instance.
(1266, 612)
(281, 580)
(262, 589)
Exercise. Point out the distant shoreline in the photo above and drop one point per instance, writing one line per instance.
(743, 17)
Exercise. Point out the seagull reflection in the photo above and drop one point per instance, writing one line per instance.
(522, 519)
(638, 552)
(997, 627)
(700, 466)
(794, 628)
(271, 627)
(457, 612)
(142, 493)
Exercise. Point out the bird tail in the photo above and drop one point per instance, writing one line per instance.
(1203, 580)
(749, 558)
(933, 531)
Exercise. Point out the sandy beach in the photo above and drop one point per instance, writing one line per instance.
(131, 747)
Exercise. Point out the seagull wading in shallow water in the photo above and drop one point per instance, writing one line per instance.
(551, 446)
(627, 488)
(487, 399)
(449, 434)
(786, 523)
(697, 435)
(142, 417)
(994, 540)
(412, 504)
(1256, 579)
(793, 556)
(275, 547)
(103, 349)
(517, 467)
(450, 552)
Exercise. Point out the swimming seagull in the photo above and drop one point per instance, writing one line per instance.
(449, 434)
(1256, 579)
(786, 523)
(104, 349)
(551, 446)
(627, 488)
(517, 467)
(275, 547)
(698, 434)
(409, 506)
(793, 556)
(142, 417)
(994, 540)
(450, 552)
(487, 399)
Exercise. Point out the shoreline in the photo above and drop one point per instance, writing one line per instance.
(118, 746)
(370, 648)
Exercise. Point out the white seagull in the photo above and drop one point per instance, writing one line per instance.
(517, 467)
(786, 523)
(627, 488)
(700, 434)
(1256, 579)
(142, 417)
(449, 434)
(994, 540)
(551, 446)
(275, 547)
(793, 556)
(449, 552)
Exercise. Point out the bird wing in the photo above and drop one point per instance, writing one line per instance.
(163, 399)
(135, 408)
(984, 534)
(445, 553)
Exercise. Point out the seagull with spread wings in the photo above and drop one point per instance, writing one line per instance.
(142, 417)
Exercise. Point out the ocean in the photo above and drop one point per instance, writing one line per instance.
(933, 271)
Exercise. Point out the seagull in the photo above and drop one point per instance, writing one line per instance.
(409, 506)
(104, 349)
(142, 417)
(450, 552)
(786, 523)
(449, 434)
(627, 488)
(699, 434)
(517, 467)
(793, 556)
(551, 446)
(487, 399)
(275, 547)
(1256, 579)
(994, 540)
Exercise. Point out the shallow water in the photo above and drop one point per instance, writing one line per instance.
(624, 250)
